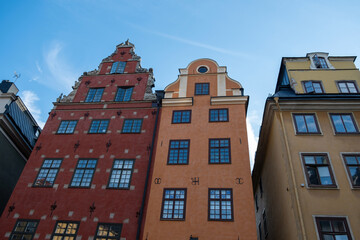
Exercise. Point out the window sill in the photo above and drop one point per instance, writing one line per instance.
(309, 134)
(113, 188)
(212, 163)
(323, 187)
(34, 186)
(343, 134)
(221, 220)
(79, 187)
(172, 164)
(171, 220)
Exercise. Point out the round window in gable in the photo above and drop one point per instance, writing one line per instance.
(202, 69)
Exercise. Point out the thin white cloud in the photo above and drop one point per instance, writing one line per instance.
(192, 43)
(38, 67)
(30, 98)
(61, 76)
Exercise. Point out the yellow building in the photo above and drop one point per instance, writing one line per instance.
(201, 183)
(307, 167)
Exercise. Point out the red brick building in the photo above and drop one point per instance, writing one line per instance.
(87, 174)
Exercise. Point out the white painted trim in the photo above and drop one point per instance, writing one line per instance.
(182, 86)
(228, 100)
(208, 69)
(331, 167)
(332, 216)
(320, 54)
(177, 102)
(221, 85)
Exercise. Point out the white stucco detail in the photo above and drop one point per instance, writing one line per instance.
(221, 85)
(168, 94)
(236, 92)
(182, 86)
(320, 54)
(221, 69)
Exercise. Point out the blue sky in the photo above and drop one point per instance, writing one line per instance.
(51, 43)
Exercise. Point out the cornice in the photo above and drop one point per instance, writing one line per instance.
(171, 102)
(229, 100)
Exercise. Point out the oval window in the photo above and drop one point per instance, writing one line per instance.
(202, 69)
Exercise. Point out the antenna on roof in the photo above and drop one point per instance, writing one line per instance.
(16, 75)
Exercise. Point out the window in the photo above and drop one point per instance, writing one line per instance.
(65, 230)
(24, 229)
(343, 123)
(333, 228)
(313, 87)
(306, 123)
(219, 150)
(220, 204)
(319, 62)
(218, 115)
(183, 116)
(67, 127)
(318, 171)
(202, 69)
(265, 223)
(173, 206)
(107, 231)
(99, 126)
(121, 174)
(118, 67)
(178, 152)
(123, 94)
(132, 126)
(94, 95)
(201, 88)
(353, 167)
(47, 173)
(83, 173)
(347, 87)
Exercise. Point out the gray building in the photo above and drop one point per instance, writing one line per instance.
(18, 134)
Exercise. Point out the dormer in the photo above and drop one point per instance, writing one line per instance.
(319, 60)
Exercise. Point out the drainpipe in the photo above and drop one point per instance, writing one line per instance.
(148, 168)
(297, 200)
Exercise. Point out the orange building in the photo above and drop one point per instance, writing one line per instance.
(201, 183)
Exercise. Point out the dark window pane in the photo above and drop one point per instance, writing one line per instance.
(132, 126)
(83, 173)
(118, 67)
(94, 95)
(123, 94)
(201, 88)
(306, 123)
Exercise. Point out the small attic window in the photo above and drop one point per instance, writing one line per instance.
(203, 69)
(319, 62)
(118, 67)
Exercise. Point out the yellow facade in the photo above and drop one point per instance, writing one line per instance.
(198, 175)
(298, 194)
